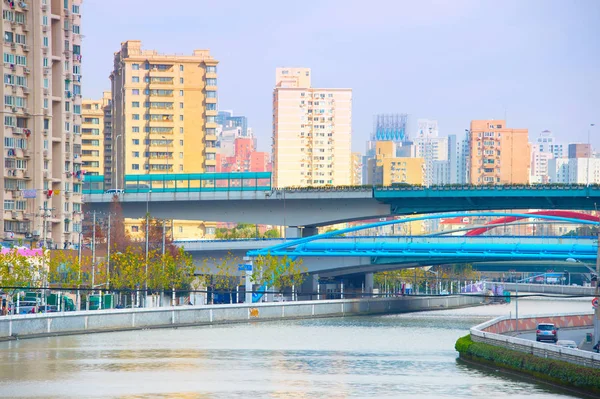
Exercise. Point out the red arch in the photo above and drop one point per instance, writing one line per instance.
(510, 219)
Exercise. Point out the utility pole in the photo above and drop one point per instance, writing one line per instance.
(146, 269)
(108, 256)
(597, 310)
(93, 250)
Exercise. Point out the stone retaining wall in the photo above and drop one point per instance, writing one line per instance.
(48, 324)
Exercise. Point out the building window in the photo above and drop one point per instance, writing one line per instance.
(135, 92)
(211, 69)
(135, 166)
(135, 67)
(180, 80)
(135, 141)
(181, 68)
(135, 129)
(135, 117)
(135, 104)
(135, 79)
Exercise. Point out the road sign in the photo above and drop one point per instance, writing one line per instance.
(595, 302)
(242, 267)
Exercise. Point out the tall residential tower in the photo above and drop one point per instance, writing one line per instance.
(164, 112)
(312, 132)
(42, 183)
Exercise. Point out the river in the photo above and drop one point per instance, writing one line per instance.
(408, 355)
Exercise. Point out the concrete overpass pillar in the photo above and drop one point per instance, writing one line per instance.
(299, 232)
(368, 283)
(309, 231)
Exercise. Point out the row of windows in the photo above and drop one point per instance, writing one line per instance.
(9, 15)
(10, 37)
(164, 167)
(15, 59)
(166, 67)
(10, 79)
(12, 205)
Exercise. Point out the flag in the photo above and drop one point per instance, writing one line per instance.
(29, 193)
(49, 193)
(56, 192)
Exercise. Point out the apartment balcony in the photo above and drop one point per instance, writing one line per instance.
(210, 137)
(210, 162)
(210, 75)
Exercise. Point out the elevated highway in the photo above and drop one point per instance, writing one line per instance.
(320, 207)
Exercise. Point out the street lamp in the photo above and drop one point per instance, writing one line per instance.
(117, 161)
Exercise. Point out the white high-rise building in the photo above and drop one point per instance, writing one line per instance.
(558, 170)
(545, 144)
(431, 148)
(456, 160)
(539, 166)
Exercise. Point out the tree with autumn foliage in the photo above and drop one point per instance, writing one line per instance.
(119, 239)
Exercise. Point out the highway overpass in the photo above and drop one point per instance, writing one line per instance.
(320, 207)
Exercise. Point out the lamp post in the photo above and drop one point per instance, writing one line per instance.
(117, 161)
(147, 239)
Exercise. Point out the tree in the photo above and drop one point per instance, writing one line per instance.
(278, 272)
(64, 269)
(119, 239)
(19, 270)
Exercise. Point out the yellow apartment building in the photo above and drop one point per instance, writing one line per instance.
(497, 154)
(312, 132)
(94, 128)
(41, 186)
(164, 109)
(386, 169)
(182, 229)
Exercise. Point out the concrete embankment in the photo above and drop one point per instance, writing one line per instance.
(488, 344)
(40, 325)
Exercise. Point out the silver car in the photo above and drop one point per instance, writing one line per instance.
(546, 332)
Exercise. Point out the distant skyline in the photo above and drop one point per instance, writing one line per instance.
(534, 61)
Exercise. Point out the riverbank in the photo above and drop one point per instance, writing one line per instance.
(491, 344)
(53, 324)
(558, 372)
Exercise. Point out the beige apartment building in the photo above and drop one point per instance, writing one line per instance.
(497, 154)
(95, 136)
(42, 183)
(312, 132)
(164, 109)
(386, 169)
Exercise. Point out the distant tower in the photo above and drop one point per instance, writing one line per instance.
(390, 127)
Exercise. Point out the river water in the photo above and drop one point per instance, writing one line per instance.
(409, 355)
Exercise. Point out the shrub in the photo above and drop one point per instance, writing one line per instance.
(556, 371)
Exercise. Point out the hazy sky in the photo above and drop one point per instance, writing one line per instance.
(538, 62)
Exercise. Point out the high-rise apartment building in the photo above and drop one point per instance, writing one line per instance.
(540, 166)
(456, 160)
(42, 183)
(545, 143)
(164, 110)
(312, 132)
(96, 136)
(497, 154)
(226, 119)
(432, 148)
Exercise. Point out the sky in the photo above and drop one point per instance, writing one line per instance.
(535, 62)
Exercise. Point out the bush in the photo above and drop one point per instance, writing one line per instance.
(556, 371)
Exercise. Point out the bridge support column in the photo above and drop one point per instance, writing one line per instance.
(299, 232)
(309, 287)
(368, 284)
(248, 285)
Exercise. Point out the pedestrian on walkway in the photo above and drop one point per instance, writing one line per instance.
(596, 347)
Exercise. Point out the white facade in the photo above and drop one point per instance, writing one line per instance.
(441, 172)
(456, 160)
(539, 166)
(545, 144)
(431, 149)
(584, 170)
(558, 170)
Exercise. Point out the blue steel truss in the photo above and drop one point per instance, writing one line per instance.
(304, 247)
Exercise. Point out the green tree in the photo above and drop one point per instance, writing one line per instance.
(278, 272)
(17, 270)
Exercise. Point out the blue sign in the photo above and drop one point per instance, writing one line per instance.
(242, 267)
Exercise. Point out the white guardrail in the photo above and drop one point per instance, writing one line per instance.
(551, 351)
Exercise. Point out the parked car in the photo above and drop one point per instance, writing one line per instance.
(546, 332)
(48, 308)
(115, 191)
(565, 343)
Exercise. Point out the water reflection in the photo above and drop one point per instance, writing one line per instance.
(385, 356)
